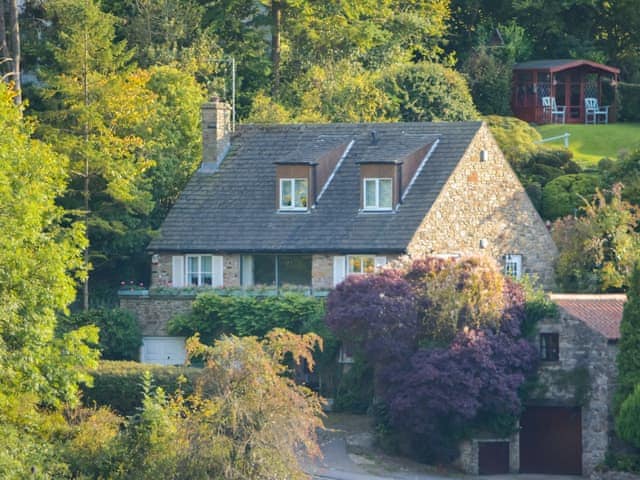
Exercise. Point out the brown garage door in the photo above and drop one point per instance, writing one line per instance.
(551, 440)
(493, 458)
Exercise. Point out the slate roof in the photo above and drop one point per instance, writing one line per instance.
(233, 209)
(602, 313)
(559, 65)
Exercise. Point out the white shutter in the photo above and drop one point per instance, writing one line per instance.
(380, 262)
(339, 269)
(218, 271)
(177, 271)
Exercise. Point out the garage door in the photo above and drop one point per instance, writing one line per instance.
(163, 350)
(493, 458)
(551, 440)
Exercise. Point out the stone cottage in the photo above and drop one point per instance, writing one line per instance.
(307, 205)
(566, 425)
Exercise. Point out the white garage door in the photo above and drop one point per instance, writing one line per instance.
(163, 350)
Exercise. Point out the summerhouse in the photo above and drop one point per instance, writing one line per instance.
(564, 91)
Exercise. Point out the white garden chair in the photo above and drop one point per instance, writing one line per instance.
(552, 111)
(592, 111)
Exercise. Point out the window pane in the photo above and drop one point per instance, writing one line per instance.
(368, 265)
(205, 264)
(301, 193)
(385, 194)
(294, 270)
(370, 194)
(285, 193)
(355, 265)
(192, 270)
(264, 269)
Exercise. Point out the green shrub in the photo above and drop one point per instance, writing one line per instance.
(565, 194)
(355, 390)
(119, 384)
(120, 335)
(628, 420)
(214, 314)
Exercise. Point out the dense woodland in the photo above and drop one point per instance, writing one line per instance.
(99, 132)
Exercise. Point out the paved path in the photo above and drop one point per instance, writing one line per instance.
(338, 464)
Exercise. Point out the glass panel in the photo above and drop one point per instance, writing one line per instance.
(192, 270)
(264, 269)
(386, 195)
(285, 193)
(206, 270)
(355, 264)
(294, 270)
(370, 193)
(301, 193)
(368, 264)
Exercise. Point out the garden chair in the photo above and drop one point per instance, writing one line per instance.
(551, 111)
(592, 111)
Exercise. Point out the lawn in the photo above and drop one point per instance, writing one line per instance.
(590, 143)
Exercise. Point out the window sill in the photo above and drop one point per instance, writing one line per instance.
(293, 210)
(377, 210)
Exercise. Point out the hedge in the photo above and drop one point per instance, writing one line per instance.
(118, 384)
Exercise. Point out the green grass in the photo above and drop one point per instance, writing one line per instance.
(590, 143)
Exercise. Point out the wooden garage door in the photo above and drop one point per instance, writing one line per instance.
(551, 440)
(493, 458)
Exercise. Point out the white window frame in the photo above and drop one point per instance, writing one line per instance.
(513, 265)
(293, 206)
(376, 205)
(199, 273)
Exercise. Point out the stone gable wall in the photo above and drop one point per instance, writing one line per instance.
(581, 350)
(484, 200)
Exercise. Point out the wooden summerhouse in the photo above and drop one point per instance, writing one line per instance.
(545, 91)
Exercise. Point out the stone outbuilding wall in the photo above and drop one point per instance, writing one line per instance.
(584, 376)
(154, 311)
(484, 210)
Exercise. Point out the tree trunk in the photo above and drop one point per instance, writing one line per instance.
(15, 49)
(4, 46)
(276, 13)
(86, 192)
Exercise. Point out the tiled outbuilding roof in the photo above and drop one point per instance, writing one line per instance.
(602, 313)
(559, 65)
(233, 209)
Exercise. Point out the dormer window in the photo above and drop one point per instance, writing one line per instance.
(378, 193)
(294, 193)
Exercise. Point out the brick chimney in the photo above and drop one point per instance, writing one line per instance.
(216, 133)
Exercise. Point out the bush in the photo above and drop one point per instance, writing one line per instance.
(355, 390)
(119, 385)
(214, 315)
(565, 194)
(120, 335)
(628, 420)
(426, 92)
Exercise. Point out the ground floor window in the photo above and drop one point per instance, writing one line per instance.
(513, 265)
(199, 270)
(276, 270)
(360, 264)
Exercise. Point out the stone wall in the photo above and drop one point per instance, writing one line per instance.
(484, 200)
(162, 271)
(154, 311)
(584, 376)
(322, 271)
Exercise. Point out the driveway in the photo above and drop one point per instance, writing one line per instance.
(347, 434)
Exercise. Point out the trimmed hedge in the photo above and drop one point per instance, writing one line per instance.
(118, 385)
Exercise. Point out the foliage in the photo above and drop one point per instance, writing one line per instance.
(444, 338)
(213, 315)
(628, 418)
(40, 254)
(597, 250)
(266, 110)
(355, 389)
(120, 335)
(424, 92)
(515, 137)
(374, 313)
(118, 385)
(629, 347)
(565, 194)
